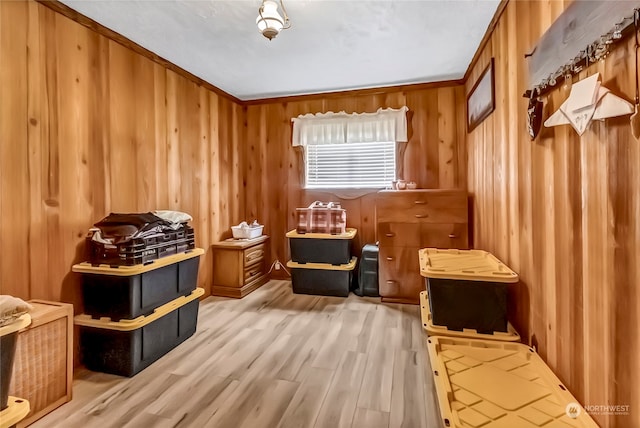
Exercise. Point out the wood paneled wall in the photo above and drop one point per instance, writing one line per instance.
(90, 127)
(435, 156)
(563, 211)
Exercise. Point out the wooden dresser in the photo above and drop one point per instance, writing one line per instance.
(407, 220)
(239, 267)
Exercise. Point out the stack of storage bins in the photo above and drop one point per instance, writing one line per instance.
(321, 263)
(136, 314)
(482, 376)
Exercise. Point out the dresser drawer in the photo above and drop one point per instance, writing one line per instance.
(422, 206)
(444, 235)
(399, 270)
(254, 255)
(399, 234)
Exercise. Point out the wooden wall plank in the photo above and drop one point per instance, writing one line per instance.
(563, 212)
(14, 155)
(89, 127)
(447, 143)
(38, 129)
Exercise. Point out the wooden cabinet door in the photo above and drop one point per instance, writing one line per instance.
(400, 279)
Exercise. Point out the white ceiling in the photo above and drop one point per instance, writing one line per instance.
(332, 45)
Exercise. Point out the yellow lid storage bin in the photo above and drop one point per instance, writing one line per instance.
(127, 292)
(321, 278)
(438, 330)
(494, 384)
(17, 409)
(467, 289)
(128, 346)
(469, 265)
(321, 247)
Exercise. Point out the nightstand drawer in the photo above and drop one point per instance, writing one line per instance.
(254, 271)
(254, 255)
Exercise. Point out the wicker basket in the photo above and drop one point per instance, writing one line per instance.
(43, 365)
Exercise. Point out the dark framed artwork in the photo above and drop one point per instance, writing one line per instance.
(481, 100)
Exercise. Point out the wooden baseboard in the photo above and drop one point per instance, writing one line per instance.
(401, 300)
(238, 293)
(279, 274)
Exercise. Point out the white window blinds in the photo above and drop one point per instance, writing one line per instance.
(352, 165)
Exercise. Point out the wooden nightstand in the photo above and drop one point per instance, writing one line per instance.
(239, 267)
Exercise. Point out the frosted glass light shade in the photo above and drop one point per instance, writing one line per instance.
(269, 20)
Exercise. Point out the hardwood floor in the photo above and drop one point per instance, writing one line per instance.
(273, 359)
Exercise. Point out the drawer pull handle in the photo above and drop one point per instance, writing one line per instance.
(422, 215)
(254, 273)
(420, 202)
(390, 258)
(452, 235)
(391, 281)
(390, 235)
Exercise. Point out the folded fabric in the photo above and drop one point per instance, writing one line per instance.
(173, 216)
(588, 101)
(12, 308)
(122, 227)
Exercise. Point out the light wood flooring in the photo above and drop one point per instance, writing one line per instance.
(273, 359)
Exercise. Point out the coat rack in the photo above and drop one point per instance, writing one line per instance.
(605, 23)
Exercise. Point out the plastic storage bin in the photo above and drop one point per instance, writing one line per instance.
(438, 330)
(368, 272)
(126, 347)
(321, 247)
(322, 279)
(490, 383)
(141, 250)
(467, 289)
(131, 291)
(8, 340)
(17, 409)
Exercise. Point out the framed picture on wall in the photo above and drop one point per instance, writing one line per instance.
(481, 99)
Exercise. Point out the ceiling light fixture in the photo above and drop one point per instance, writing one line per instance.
(269, 20)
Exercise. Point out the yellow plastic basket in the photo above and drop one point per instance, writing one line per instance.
(494, 384)
(471, 265)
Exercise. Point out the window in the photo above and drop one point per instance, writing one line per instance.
(351, 165)
(350, 150)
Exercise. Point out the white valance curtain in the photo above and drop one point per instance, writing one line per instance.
(339, 128)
